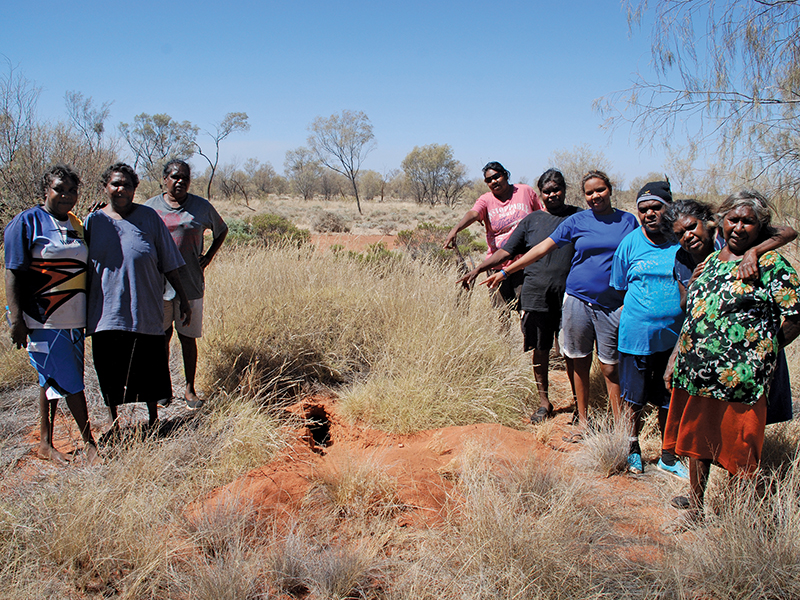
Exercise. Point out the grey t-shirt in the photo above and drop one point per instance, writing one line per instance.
(127, 260)
(545, 280)
(187, 224)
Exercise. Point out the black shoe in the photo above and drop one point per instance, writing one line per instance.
(164, 402)
(540, 415)
(194, 404)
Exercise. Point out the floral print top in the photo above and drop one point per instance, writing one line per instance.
(729, 341)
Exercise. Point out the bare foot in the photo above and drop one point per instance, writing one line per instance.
(47, 452)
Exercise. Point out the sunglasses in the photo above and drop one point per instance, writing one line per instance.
(494, 177)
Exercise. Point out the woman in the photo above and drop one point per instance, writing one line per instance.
(130, 249)
(500, 210)
(727, 350)
(692, 224)
(544, 281)
(46, 292)
(591, 309)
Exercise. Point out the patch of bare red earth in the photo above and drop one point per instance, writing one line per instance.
(349, 241)
(425, 466)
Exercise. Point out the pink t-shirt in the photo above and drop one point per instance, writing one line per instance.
(501, 218)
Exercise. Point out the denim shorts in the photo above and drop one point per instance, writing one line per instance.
(641, 378)
(583, 325)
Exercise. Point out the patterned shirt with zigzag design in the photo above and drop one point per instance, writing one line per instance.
(51, 256)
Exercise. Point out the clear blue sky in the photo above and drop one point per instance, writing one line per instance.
(507, 81)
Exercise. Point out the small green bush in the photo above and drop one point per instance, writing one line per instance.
(239, 232)
(270, 230)
(426, 242)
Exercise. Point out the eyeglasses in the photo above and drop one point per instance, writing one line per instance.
(494, 177)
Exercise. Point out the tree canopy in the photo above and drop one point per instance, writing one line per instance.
(434, 174)
(341, 142)
(727, 78)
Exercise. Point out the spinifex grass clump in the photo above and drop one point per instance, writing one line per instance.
(408, 350)
(120, 529)
(750, 548)
(513, 533)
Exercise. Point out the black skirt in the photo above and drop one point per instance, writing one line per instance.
(131, 367)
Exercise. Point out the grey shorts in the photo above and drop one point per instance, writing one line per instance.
(172, 314)
(583, 325)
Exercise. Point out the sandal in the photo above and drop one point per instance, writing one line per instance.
(540, 415)
(680, 502)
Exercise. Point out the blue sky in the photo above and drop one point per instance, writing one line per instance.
(507, 81)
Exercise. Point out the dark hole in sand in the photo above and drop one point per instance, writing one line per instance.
(319, 427)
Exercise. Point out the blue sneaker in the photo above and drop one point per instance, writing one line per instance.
(635, 463)
(677, 469)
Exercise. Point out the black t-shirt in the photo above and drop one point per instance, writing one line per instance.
(545, 280)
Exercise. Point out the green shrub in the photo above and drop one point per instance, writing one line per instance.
(271, 229)
(239, 232)
(427, 240)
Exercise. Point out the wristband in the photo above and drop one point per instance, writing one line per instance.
(505, 275)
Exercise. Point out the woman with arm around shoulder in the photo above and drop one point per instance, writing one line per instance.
(500, 210)
(130, 251)
(727, 349)
(46, 255)
(591, 310)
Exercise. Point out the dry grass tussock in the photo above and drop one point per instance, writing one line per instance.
(517, 532)
(410, 352)
(357, 488)
(749, 549)
(120, 529)
(605, 446)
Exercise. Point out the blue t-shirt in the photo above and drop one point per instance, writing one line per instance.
(127, 259)
(651, 315)
(595, 239)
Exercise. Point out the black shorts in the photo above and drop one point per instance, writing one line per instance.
(506, 296)
(539, 329)
(131, 367)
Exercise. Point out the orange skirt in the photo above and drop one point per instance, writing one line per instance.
(730, 434)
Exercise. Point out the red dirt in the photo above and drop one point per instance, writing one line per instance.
(358, 243)
(425, 465)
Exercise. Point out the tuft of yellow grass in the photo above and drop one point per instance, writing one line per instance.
(119, 529)
(408, 351)
(357, 488)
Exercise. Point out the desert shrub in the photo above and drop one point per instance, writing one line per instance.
(329, 222)
(392, 336)
(239, 232)
(271, 229)
(376, 253)
(426, 241)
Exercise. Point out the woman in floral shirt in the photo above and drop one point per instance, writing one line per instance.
(726, 353)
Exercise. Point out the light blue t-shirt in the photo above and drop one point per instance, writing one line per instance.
(651, 315)
(595, 239)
